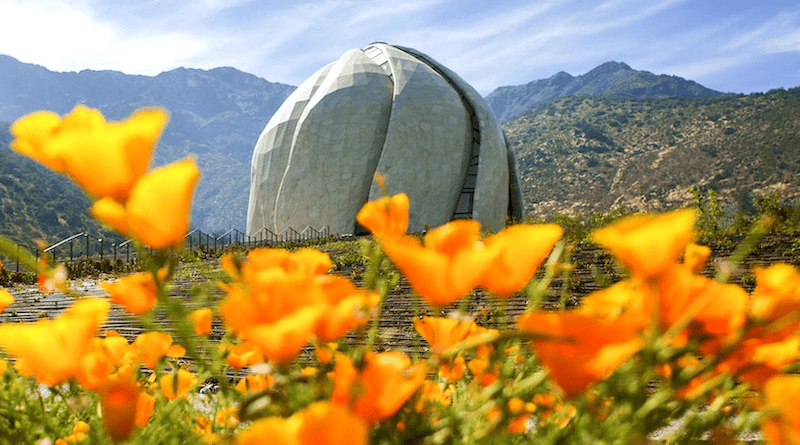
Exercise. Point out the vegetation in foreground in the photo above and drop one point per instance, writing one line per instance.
(662, 344)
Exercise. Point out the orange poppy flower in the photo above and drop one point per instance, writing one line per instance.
(285, 338)
(632, 297)
(244, 354)
(136, 292)
(254, 383)
(584, 349)
(94, 367)
(378, 390)
(227, 417)
(106, 159)
(279, 301)
(157, 210)
(145, 405)
(177, 385)
(759, 357)
(720, 309)
(523, 248)
(443, 333)
(119, 400)
(449, 265)
(777, 292)
(201, 319)
(6, 299)
(79, 432)
(71, 334)
(696, 256)
(154, 345)
(322, 423)
(648, 244)
(272, 430)
(303, 261)
(347, 307)
(385, 217)
(780, 415)
(119, 351)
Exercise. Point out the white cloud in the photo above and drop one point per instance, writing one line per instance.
(489, 44)
(69, 37)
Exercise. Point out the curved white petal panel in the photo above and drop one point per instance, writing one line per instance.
(423, 154)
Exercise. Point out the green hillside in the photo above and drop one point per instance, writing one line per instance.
(584, 154)
(36, 203)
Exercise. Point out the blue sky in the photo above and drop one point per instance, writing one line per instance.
(737, 46)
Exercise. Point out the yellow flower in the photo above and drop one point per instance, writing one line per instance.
(6, 299)
(157, 210)
(201, 319)
(106, 159)
(523, 248)
(177, 385)
(450, 264)
(387, 216)
(648, 244)
(137, 292)
(70, 334)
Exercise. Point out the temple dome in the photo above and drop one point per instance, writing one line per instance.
(390, 110)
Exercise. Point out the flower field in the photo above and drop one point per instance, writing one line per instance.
(271, 347)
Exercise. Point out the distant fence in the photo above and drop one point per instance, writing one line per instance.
(84, 246)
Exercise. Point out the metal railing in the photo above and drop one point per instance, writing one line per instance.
(87, 247)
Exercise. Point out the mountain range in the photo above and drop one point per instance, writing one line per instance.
(610, 78)
(614, 136)
(216, 115)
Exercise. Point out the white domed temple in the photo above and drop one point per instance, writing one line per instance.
(390, 110)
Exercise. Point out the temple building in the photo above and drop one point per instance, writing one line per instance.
(390, 110)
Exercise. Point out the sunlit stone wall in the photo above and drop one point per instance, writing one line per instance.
(390, 110)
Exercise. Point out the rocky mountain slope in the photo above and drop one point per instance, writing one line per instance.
(610, 78)
(582, 154)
